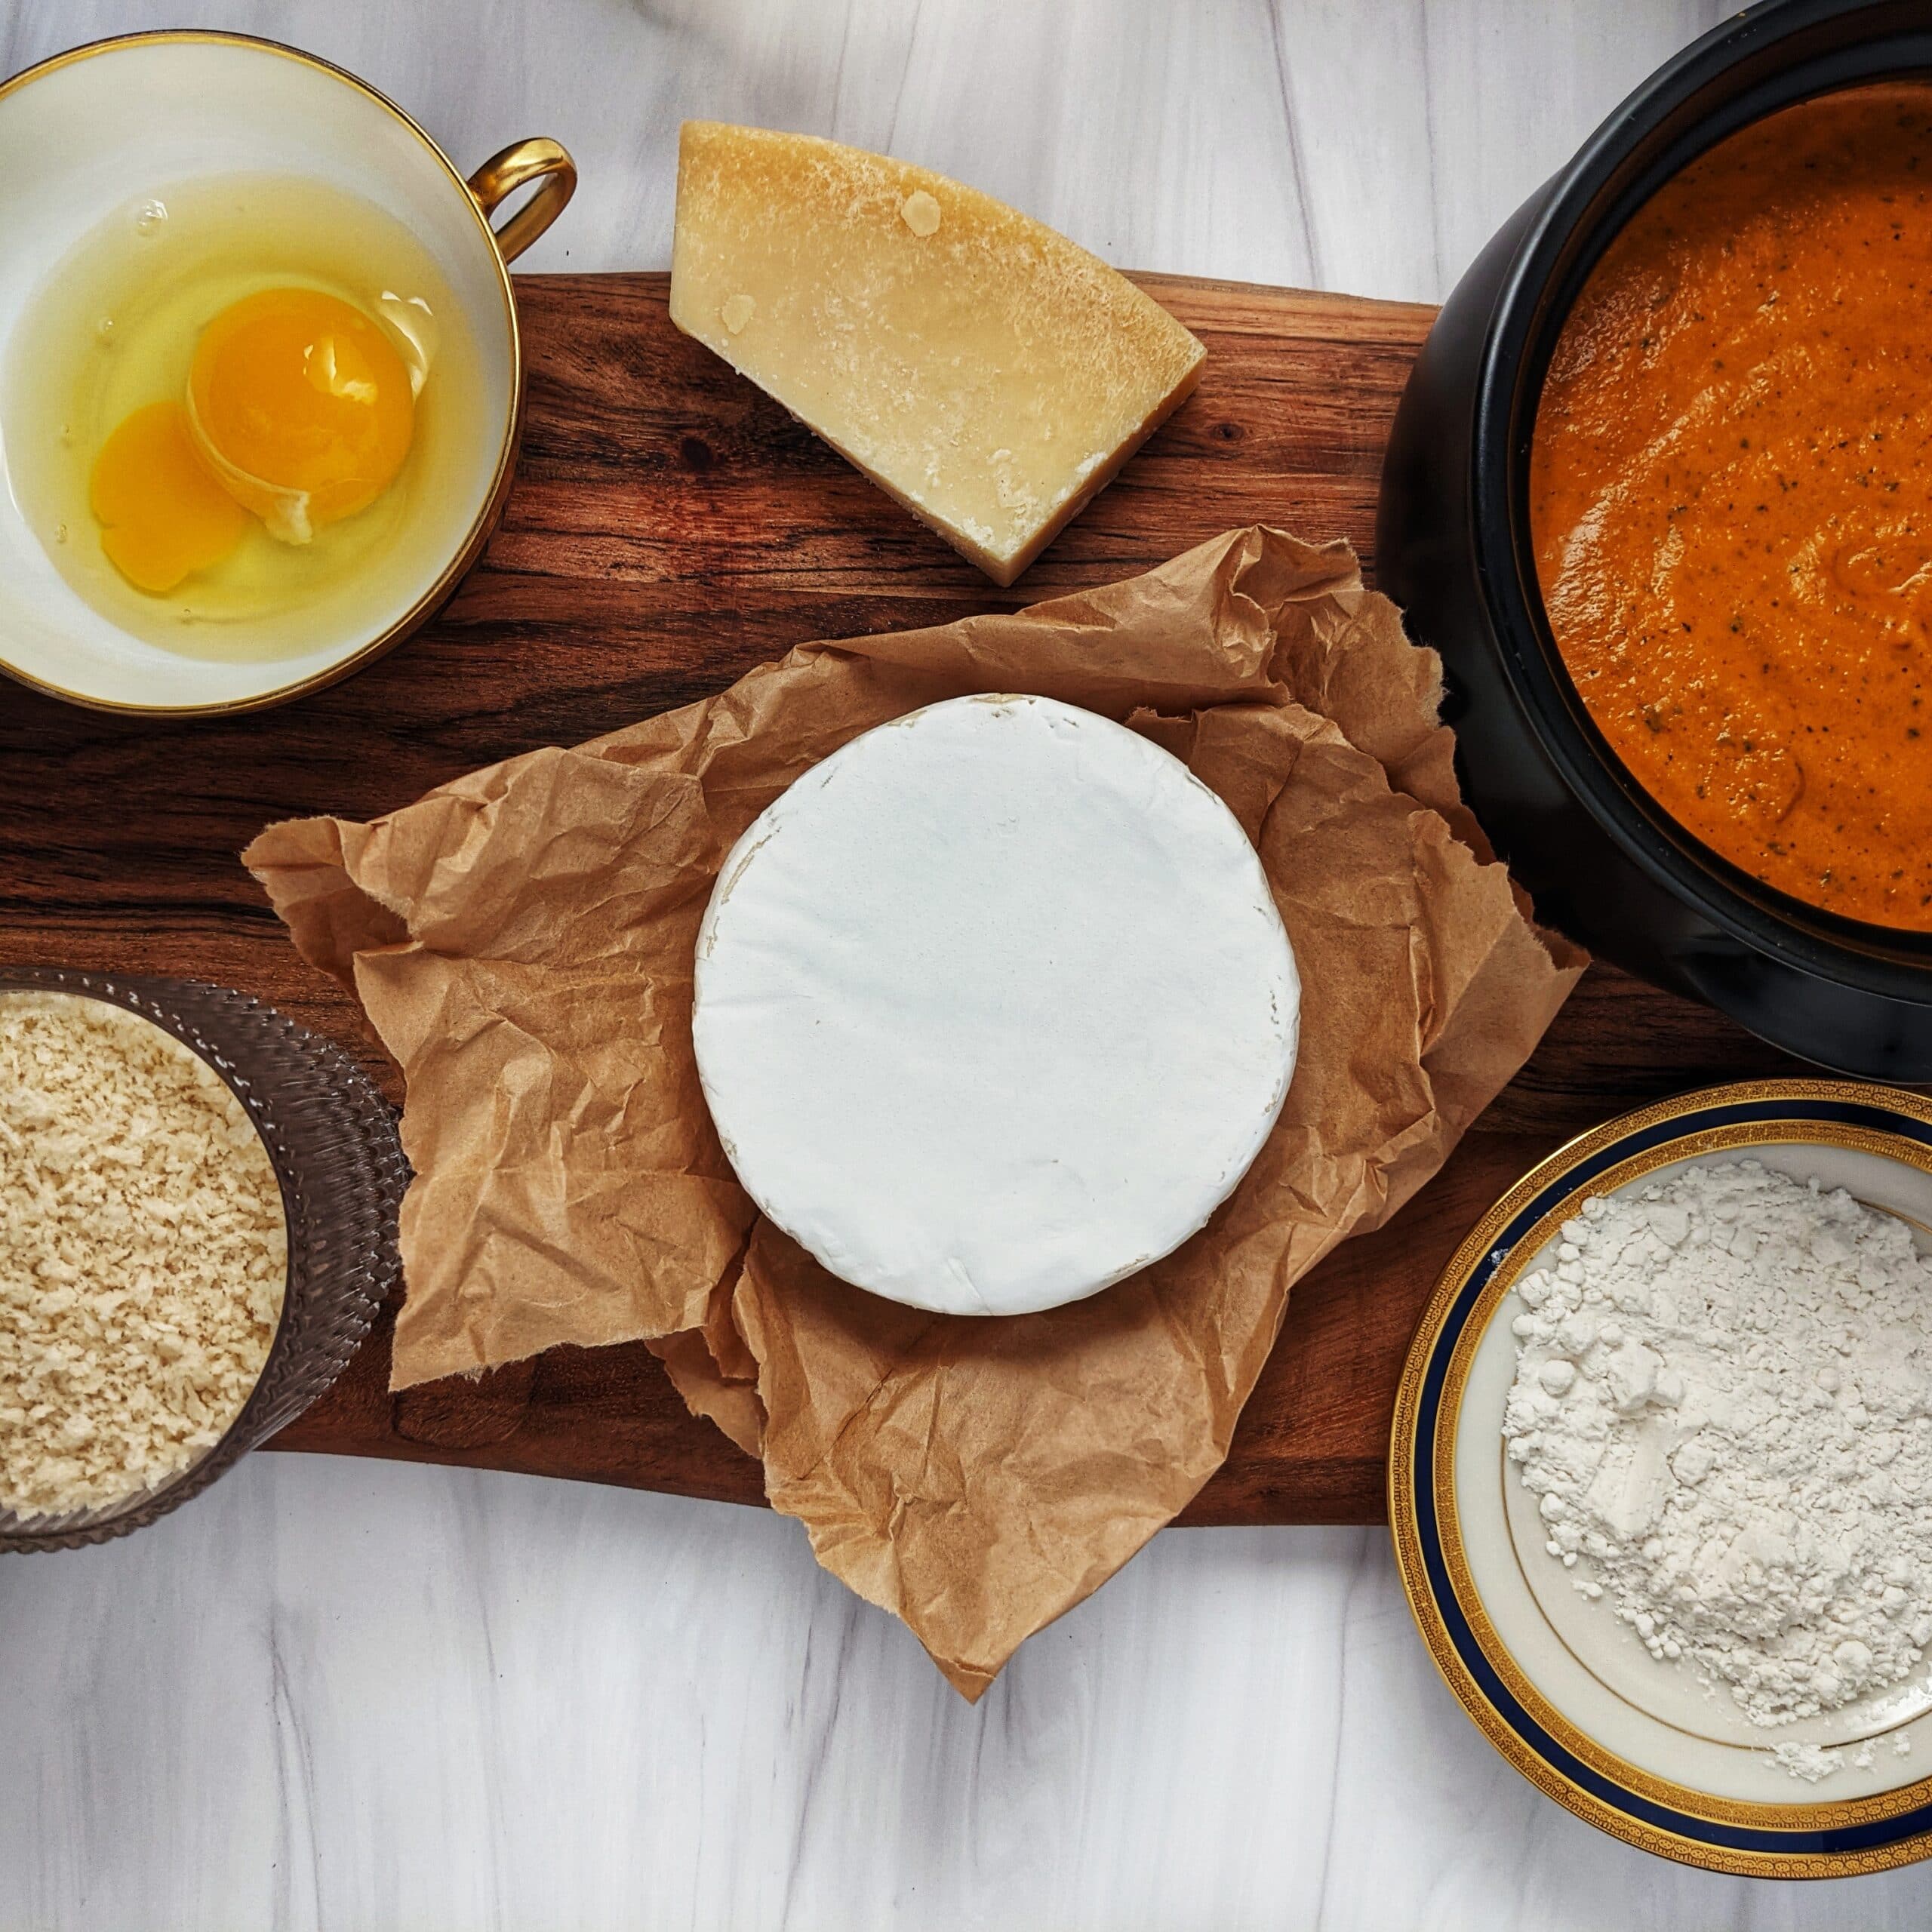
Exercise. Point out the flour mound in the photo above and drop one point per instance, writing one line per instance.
(1723, 1402)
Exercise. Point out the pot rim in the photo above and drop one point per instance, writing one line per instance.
(1652, 134)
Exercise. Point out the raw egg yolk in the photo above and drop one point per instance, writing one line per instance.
(302, 407)
(299, 409)
(163, 516)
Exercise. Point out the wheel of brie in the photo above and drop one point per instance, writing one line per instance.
(993, 1006)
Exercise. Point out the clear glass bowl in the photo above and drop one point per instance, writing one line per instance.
(332, 1137)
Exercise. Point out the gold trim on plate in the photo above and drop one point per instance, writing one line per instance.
(542, 160)
(1406, 1533)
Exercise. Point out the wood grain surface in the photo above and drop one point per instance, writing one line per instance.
(669, 528)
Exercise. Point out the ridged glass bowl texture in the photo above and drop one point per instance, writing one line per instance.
(332, 1138)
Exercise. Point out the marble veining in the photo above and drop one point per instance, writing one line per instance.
(332, 1694)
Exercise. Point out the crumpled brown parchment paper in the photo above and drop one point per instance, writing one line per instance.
(521, 940)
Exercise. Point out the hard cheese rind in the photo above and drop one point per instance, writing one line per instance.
(993, 1006)
(978, 367)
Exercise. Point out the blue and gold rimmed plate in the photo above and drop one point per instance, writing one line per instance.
(1564, 1691)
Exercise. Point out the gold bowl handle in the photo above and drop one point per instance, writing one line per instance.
(545, 161)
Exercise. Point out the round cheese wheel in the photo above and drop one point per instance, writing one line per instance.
(993, 1006)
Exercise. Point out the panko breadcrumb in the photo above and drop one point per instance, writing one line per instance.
(144, 1254)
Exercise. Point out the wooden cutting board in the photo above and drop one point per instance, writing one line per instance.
(669, 528)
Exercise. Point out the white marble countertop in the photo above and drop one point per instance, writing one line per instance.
(338, 1695)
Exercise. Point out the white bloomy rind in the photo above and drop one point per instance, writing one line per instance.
(994, 1006)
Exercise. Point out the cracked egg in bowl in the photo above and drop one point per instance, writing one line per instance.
(260, 382)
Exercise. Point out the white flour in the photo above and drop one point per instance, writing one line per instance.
(1723, 1400)
(1814, 1761)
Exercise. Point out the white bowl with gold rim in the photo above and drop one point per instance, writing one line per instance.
(1639, 1747)
(103, 128)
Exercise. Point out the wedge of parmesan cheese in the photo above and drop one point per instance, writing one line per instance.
(993, 1006)
(981, 369)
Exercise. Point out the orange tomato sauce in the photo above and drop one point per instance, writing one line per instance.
(1731, 500)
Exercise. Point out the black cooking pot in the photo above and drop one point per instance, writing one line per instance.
(1603, 863)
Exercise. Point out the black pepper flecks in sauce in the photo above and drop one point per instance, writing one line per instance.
(1731, 500)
